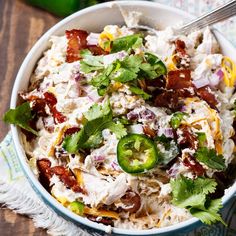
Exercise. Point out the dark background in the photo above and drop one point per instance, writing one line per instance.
(20, 27)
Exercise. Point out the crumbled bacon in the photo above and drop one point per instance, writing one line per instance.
(179, 79)
(46, 172)
(71, 131)
(186, 138)
(168, 99)
(95, 50)
(207, 95)
(194, 165)
(178, 86)
(67, 178)
(180, 46)
(132, 201)
(77, 40)
(149, 132)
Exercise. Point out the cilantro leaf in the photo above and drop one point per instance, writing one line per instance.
(201, 138)
(126, 43)
(90, 63)
(103, 80)
(193, 195)
(210, 158)
(209, 214)
(153, 68)
(127, 70)
(117, 128)
(20, 116)
(96, 119)
(176, 119)
(140, 92)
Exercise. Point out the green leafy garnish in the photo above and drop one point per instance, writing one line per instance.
(140, 92)
(210, 158)
(126, 43)
(90, 63)
(194, 196)
(153, 67)
(201, 138)
(20, 116)
(96, 119)
(127, 70)
(177, 118)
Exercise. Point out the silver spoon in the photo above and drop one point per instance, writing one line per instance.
(215, 16)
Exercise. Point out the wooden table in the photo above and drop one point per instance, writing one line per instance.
(20, 27)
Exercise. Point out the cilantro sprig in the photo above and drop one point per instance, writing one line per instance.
(210, 158)
(96, 119)
(126, 43)
(131, 68)
(193, 195)
(20, 116)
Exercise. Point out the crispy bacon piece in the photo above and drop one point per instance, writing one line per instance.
(76, 42)
(67, 178)
(39, 106)
(206, 94)
(194, 165)
(50, 99)
(96, 50)
(46, 172)
(132, 201)
(149, 132)
(71, 131)
(186, 138)
(168, 99)
(180, 46)
(179, 79)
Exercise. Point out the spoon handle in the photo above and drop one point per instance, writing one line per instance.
(217, 15)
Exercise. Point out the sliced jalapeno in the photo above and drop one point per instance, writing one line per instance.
(136, 153)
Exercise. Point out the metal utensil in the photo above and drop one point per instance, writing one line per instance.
(221, 13)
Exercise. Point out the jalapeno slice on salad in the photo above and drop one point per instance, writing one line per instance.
(136, 153)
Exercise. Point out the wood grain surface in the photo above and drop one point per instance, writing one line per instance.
(20, 27)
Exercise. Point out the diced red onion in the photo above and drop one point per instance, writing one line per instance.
(132, 115)
(92, 39)
(201, 82)
(147, 114)
(99, 159)
(220, 73)
(183, 108)
(168, 132)
(78, 77)
(115, 166)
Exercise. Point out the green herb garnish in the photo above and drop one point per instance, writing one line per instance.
(210, 158)
(194, 196)
(96, 120)
(20, 116)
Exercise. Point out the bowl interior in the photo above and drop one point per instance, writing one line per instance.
(94, 19)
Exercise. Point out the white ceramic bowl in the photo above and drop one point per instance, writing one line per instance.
(94, 19)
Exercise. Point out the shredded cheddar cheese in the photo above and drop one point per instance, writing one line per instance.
(229, 70)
